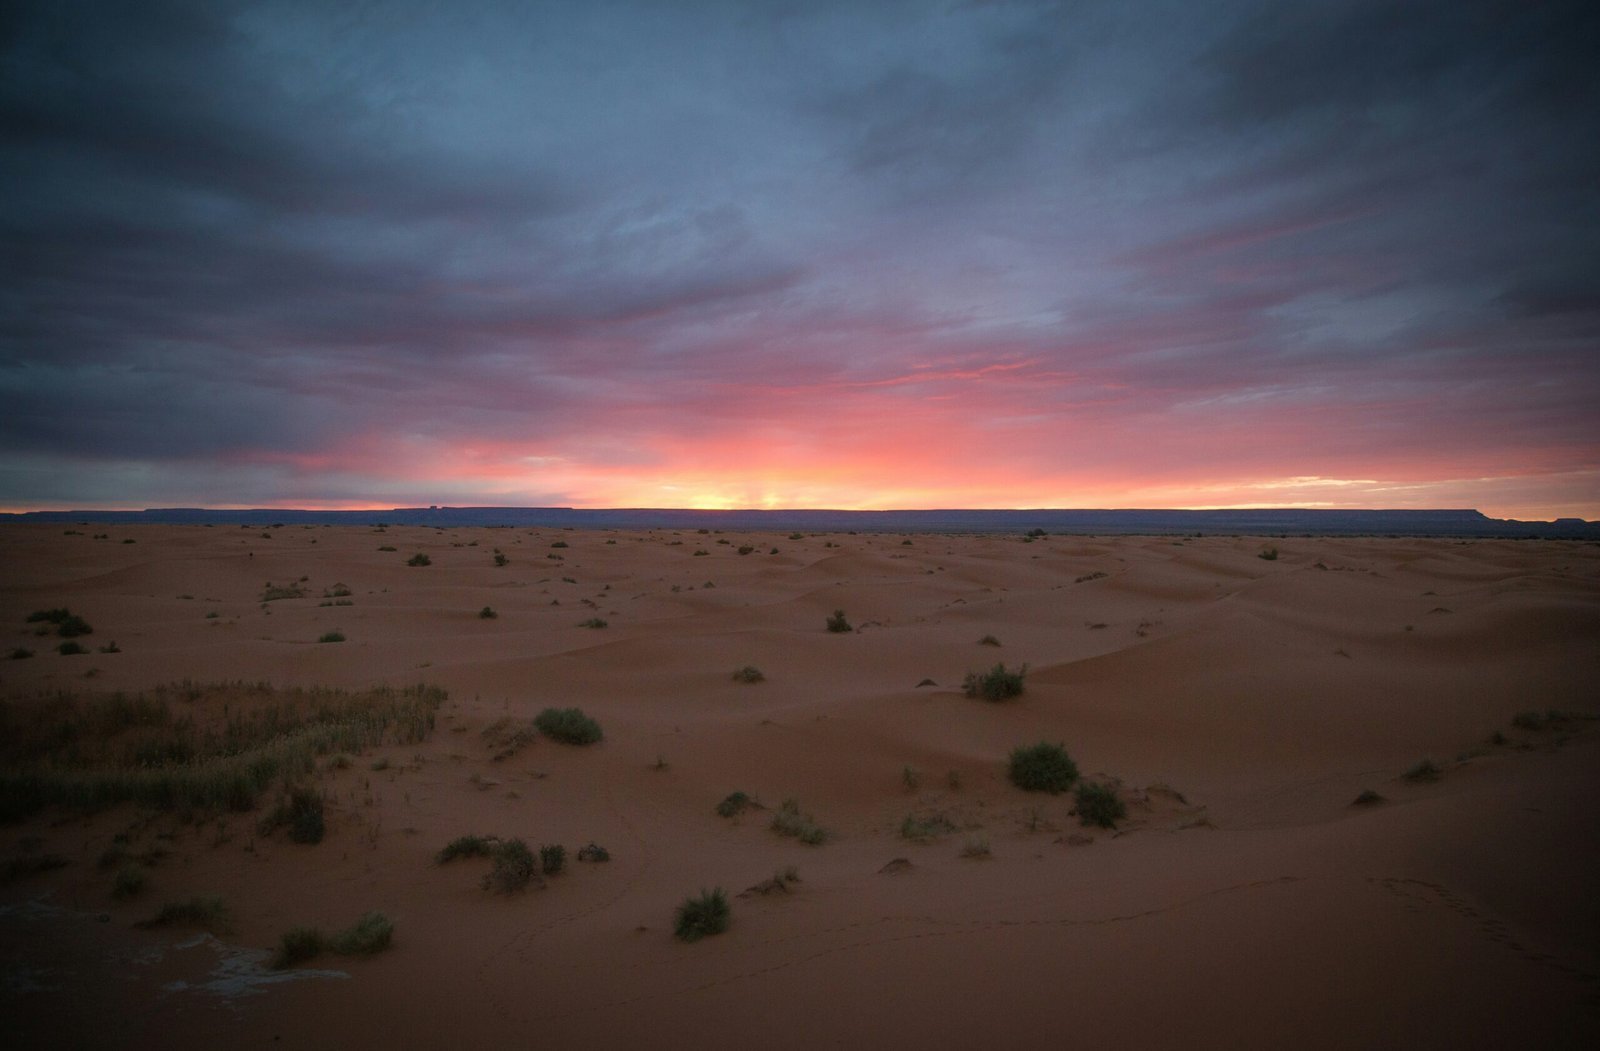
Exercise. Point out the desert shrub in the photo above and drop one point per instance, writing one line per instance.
(372, 933)
(1528, 720)
(331, 636)
(500, 559)
(996, 684)
(70, 648)
(838, 624)
(1425, 770)
(129, 881)
(745, 549)
(1043, 767)
(559, 543)
(111, 647)
(466, 847)
(911, 777)
(513, 867)
(1269, 553)
(388, 547)
(789, 821)
(568, 725)
(698, 917)
(67, 624)
(735, 803)
(487, 613)
(1099, 805)
(274, 593)
(988, 640)
(594, 852)
(21, 653)
(1368, 798)
(208, 911)
(748, 673)
(302, 812)
(297, 945)
(594, 622)
(552, 858)
(30, 865)
(419, 559)
(976, 847)
(926, 827)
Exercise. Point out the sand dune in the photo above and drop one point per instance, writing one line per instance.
(1240, 703)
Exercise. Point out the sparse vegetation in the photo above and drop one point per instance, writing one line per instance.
(372, 933)
(1425, 770)
(129, 882)
(466, 847)
(552, 858)
(513, 867)
(926, 827)
(996, 684)
(148, 748)
(568, 725)
(302, 812)
(274, 593)
(698, 917)
(594, 622)
(331, 636)
(988, 640)
(1368, 798)
(1043, 767)
(1099, 805)
(419, 559)
(207, 911)
(500, 559)
(30, 865)
(71, 648)
(21, 653)
(838, 624)
(67, 624)
(789, 821)
(976, 847)
(1270, 554)
(594, 852)
(487, 613)
(749, 673)
(735, 803)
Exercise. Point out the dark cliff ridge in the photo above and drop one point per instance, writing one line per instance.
(1257, 521)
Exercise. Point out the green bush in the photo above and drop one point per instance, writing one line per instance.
(838, 624)
(372, 933)
(500, 559)
(996, 684)
(513, 867)
(568, 725)
(1100, 805)
(552, 857)
(302, 812)
(698, 917)
(419, 560)
(297, 945)
(735, 803)
(206, 911)
(789, 821)
(466, 847)
(1043, 767)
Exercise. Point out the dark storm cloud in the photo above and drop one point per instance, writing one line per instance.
(253, 232)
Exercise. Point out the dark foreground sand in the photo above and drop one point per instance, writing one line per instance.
(1241, 704)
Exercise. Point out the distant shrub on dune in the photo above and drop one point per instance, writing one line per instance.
(1100, 805)
(500, 559)
(789, 821)
(466, 847)
(513, 869)
(419, 559)
(734, 803)
(1043, 767)
(988, 640)
(487, 613)
(302, 812)
(21, 653)
(996, 684)
(1270, 554)
(595, 623)
(552, 858)
(568, 725)
(71, 648)
(331, 636)
(838, 624)
(749, 673)
(698, 917)
(1423, 771)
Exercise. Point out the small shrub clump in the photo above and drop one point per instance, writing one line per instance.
(789, 821)
(749, 673)
(838, 624)
(466, 847)
(594, 852)
(209, 912)
(302, 812)
(419, 559)
(1043, 767)
(929, 826)
(594, 622)
(71, 648)
(735, 803)
(331, 636)
(568, 725)
(129, 881)
(1099, 805)
(698, 917)
(1270, 554)
(996, 684)
(552, 858)
(1426, 770)
(487, 613)
(513, 867)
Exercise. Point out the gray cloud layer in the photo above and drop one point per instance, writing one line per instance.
(235, 232)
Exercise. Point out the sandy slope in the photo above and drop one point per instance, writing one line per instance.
(1242, 704)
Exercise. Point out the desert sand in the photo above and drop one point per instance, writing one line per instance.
(1240, 703)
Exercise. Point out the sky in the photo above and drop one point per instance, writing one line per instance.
(800, 254)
